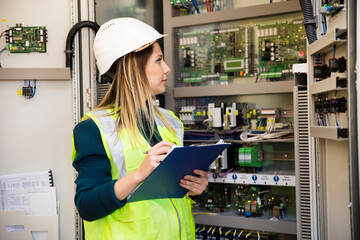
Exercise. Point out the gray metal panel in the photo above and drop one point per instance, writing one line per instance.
(235, 89)
(34, 74)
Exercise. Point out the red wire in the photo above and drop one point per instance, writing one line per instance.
(207, 6)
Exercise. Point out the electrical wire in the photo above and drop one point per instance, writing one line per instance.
(208, 232)
(320, 121)
(29, 84)
(240, 234)
(227, 233)
(226, 173)
(207, 5)
(2, 50)
(327, 120)
(196, 6)
(324, 24)
(234, 235)
(258, 235)
(336, 122)
(334, 49)
(248, 235)
(263, 136)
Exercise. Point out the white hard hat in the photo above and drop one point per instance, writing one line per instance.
(119, 37)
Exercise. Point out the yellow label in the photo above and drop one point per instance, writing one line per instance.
(19, 93)
(14, 48)
(227, 112)
(204, 113)
(3, 20)
(236, 112)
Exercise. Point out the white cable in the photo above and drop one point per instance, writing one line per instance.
(266, 135)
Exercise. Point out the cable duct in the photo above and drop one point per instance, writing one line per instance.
(309, 20)
(70, 38)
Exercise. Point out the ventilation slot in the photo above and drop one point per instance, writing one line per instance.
(303, 161)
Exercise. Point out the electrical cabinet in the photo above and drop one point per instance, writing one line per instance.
(331, 110)
(232, 78)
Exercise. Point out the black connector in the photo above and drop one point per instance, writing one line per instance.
(338, 105)
(341, 34)
(342, 105)
(343, 132)
(326, 106)
(318, 106)
(28, 91)
(341, 82)
(321, 71)
(337, 65)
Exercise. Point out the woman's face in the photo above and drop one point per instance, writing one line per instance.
(156, 70)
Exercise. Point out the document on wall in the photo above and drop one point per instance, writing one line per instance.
(32, 192)
(41, 201)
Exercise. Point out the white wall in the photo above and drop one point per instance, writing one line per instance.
(35, 134)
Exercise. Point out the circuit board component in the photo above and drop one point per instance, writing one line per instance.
(26, 39)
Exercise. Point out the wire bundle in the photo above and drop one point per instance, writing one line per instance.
(263, 136)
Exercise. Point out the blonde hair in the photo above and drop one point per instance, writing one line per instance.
(130, 97)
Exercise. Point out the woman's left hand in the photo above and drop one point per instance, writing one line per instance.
(195, 185)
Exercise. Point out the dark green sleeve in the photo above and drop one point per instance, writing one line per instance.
(95, 197)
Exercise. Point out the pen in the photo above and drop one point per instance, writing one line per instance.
(148, 151)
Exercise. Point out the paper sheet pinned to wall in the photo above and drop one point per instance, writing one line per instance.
(32, 192)
(41, 201)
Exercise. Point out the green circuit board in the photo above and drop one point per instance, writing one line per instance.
(26, 39)
(266, 50)
(280, 44)
(216, 55)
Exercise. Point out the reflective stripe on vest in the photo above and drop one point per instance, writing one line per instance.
(108, 128)
(174, 122)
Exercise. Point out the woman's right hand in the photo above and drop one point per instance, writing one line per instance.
(154, 157)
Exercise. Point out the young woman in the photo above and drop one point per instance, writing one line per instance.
(125, 138)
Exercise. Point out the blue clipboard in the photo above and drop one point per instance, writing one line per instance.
(164, 181)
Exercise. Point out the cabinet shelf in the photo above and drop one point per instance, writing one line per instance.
(230, 220)
(235, 14)
(326, 85)
(49, 74)
(328, 132)
(234, 89)
(325, 44)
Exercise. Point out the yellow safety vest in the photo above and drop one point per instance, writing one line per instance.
(159, 219)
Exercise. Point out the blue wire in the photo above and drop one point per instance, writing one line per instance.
(2, 50)
(320, 121)
(336, 122)
(334, 49)
(327, 120)
(324, 24)
(195, 5)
